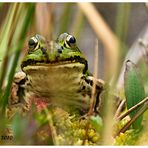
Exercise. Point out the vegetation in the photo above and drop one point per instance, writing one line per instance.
(127, 125)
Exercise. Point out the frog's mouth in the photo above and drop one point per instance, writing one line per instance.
(75, 59)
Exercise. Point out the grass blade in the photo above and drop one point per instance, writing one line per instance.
(22, 33)
(65, 21)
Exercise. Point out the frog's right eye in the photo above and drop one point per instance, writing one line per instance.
(32, 43)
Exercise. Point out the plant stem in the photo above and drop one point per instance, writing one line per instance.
(119, 108)
(132, 109)
(93, 94)
(139, 113)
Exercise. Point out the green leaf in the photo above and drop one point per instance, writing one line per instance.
(134, 90)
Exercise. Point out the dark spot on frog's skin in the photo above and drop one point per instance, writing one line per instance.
(29, 86)
(80, 60)
(65, 45)
(43, 50)
(88, 81)
(59, 50)
(83, 87)
(45, 53)
(22, 81)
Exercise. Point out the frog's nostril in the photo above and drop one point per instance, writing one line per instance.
(59, 49)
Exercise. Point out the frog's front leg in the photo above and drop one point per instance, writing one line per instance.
(16, 101)
(87, 86)
(99, 88)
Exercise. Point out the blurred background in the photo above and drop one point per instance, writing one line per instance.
(120, 28)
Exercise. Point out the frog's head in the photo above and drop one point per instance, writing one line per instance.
(62, 51)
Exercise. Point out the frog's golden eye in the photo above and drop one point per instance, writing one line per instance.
(32, 43)
(70, 40)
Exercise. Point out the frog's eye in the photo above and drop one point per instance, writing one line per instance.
(70, 40)
(32, 43)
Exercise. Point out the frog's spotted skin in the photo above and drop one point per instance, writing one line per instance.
(58, 72)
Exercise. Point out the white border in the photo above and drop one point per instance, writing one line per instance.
(82, 1)
(55, 1)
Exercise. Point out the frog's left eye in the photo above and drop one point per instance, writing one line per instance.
(70, 40)
(32, 43)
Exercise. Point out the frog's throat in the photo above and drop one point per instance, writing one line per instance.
(74, 59)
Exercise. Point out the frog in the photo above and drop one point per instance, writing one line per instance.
(57, 74)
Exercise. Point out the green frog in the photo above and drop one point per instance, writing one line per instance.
(57, 73)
